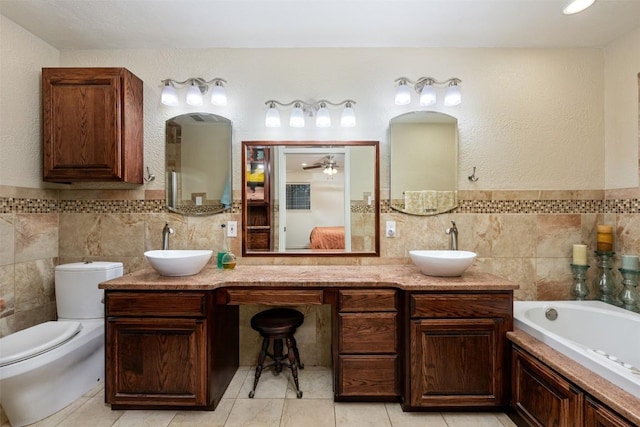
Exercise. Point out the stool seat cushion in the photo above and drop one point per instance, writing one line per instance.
(277, 321)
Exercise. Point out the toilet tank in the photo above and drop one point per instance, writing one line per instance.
(77, 293)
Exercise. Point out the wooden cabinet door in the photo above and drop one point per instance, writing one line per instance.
(156, 361)
(456, 362)
(92, 125)
(542, 397)
(597, 415)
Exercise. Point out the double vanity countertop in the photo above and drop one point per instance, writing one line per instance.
(406, 277)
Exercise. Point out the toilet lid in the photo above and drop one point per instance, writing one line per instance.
(36, 340)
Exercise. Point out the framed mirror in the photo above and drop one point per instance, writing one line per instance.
(423, 163)
(310, 198)
(198, 164)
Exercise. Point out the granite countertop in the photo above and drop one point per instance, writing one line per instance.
(608, 393)
(400, 276)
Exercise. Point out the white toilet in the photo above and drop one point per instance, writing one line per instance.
(46, 367)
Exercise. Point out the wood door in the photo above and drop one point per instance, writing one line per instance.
(542, 397)
(456, 363)
(156, 361)
(598, 415)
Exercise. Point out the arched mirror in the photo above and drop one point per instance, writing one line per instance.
(198, 164)
(311, 198)
(423, 163)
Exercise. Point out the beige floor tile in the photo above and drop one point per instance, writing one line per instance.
(93, 409)
(145, 418)
(410, 419)
(308, 413)
(270, 386)
(361, 415)
(505, 420)
(216, 418)
(255, 413)
(316, 382)
(472, 419)
(55, 419)
(236, 383)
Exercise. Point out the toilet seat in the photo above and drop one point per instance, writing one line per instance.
(36, 340)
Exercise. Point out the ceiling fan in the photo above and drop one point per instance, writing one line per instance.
(326, 161)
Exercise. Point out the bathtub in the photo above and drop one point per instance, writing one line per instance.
(599, 336)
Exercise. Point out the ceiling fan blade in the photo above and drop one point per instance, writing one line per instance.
(315, 166)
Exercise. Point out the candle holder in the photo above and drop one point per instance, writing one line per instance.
(579, 290)
(629, 294)
(605, 285)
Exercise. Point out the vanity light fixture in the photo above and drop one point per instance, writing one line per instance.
(302, 109)
(575, 6)
(426, 87)
(198, 87)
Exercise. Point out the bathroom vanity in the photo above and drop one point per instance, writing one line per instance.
(398, 335)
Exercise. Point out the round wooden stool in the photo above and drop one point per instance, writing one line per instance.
(276, 325)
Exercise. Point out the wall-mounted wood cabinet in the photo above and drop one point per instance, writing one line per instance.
(92, 125)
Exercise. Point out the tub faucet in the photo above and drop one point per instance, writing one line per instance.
(453, 236)
(166, 231)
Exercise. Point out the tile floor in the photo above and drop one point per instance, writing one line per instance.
(274, 404)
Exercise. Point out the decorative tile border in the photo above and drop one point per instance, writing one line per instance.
(625, 206)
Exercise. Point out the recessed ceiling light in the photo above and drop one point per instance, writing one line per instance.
(575, 6)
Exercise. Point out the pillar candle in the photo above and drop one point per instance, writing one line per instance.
(580, 254)
(630, 262)
(605, 238)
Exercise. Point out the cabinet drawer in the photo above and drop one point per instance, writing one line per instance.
(166, 304)
(368, 376)
(368, 300)
(272, 296)
(368, 333)
(461, 305)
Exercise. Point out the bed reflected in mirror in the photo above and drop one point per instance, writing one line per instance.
(310, 198)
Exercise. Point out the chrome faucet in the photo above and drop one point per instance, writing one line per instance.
(166, 231)
(453, 236)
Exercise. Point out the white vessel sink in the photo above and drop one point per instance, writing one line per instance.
(442, 263)
(178, 262)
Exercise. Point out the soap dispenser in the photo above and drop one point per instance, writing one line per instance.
(224, 248)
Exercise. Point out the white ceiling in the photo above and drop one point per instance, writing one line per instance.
(123, 24)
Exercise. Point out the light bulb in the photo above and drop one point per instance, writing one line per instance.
(428, 95)
(453, 95)
(403, 94)
(272, 119)
(218, 95)
(575, 6)
(323, 118)
(348, 118)
(169, 95)
(296, 120)
(194, 96)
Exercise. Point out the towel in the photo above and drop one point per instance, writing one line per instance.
(414, 201)
(446, 200)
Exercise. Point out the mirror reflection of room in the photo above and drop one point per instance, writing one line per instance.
(198, 159)
(310, 199)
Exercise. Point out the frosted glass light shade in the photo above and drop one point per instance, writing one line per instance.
(453, 96)
(218, 95)
(323, 118)
(194, 96)
(428, 95)
(169, 96)
(296, 120)
(348, 118)
(575, 6)
(403, 94)
(272, 119)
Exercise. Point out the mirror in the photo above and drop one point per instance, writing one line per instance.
(423, 163)
(310, 198)
(198, 164)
